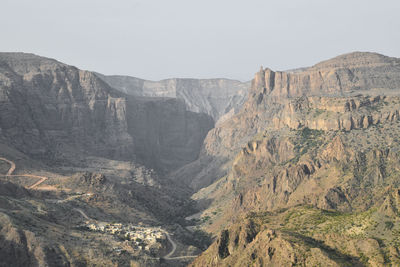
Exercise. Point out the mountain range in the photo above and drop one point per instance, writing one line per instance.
(295, 168)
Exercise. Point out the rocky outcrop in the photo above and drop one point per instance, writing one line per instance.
(334, 113)
(23, 248)
(391, 204)
(347, 74)
(353, 91)
(45, 104)
(248, 244)
(93, 179)
(305, 236)
(219, 98)
(305, 140)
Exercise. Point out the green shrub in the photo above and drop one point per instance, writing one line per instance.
(389, 225)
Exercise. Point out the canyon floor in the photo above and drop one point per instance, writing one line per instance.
(52, 213)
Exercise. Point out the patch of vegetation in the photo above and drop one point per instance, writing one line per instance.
(376, 106)
(364, 259)
(263, 217)
(389, 225)
(306, 140)
(309, 220)
(360, 168)
(205, 219)
(318, 112)
(201, 239)
(312, 225)
(307, 133)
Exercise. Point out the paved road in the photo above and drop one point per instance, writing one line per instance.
(168, 256)
(12, 169)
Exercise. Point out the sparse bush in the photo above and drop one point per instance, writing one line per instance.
(205, 218)
(389, 225)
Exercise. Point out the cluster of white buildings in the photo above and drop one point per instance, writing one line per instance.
(143, 237)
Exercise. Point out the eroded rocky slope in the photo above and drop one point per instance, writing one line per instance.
(319, 98)
(306, 236)
(325, 136)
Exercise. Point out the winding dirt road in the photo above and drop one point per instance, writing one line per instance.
(82, 213)
(168, 256)
(12, 169)
(12, 166)
(43, 178)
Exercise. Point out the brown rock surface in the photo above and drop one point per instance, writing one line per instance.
(352, 91)
(325, 136)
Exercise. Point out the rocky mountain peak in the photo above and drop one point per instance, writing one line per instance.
(348, 74)
(23, 63)
(357, 59)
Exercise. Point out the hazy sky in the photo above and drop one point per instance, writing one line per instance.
(156, 39)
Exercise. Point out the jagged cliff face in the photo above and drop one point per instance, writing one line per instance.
(322, 97)
(44, 102)
(219, 98)
(326, 136)
(344, 75)
(49, 109)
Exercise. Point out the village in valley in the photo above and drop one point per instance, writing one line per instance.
(143, 238)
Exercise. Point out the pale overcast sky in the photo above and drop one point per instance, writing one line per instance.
(157, 39)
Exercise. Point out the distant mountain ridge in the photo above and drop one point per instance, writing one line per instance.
(215, 97)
